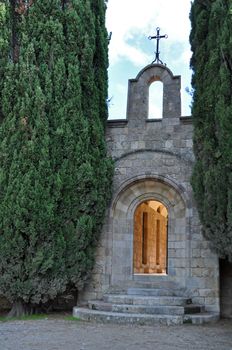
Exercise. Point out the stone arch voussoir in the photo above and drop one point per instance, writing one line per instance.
(141, 184)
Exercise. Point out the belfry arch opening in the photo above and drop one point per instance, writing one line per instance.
(155, 109)
(150, 238)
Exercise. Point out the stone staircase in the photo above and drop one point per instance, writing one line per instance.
(145, 306)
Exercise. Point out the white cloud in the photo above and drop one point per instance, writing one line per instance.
(185, 57)
(131, 22)
(129, 18)
(138, 57)
(122, 89)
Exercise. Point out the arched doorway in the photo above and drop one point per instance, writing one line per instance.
(150, 238)
(121, 232)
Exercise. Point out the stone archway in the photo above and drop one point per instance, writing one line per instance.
(150, 238)
(128, 199)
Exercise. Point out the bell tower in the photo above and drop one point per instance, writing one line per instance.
(138, 93)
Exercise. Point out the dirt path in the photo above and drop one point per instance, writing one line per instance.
(60, 334)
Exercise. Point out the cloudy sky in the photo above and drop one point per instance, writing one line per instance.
(131, 22)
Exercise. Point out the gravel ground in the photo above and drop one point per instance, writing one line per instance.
(61, 334)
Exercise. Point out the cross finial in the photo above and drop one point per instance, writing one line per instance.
(157, 37)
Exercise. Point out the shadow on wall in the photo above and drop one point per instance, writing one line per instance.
(226, 288)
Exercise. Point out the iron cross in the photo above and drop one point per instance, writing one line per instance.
(157, 37)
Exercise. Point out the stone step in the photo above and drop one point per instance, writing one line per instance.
(167, 286)
(204, 317)
(149, 281)
(144, 300)
(125, 318)
(136, 309)
(153, 292)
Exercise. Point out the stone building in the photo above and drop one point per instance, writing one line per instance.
(152, 264)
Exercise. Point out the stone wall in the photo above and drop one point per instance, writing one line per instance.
(153, 161)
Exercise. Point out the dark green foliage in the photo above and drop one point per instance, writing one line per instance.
(211, 42)
(4, 45)
(55, 176)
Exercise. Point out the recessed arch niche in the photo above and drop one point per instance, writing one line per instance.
(123, 210)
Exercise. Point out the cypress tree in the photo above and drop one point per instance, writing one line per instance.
(54, 173)
(5, 49)
(212, 116)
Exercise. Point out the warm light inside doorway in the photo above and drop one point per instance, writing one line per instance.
(150, 238)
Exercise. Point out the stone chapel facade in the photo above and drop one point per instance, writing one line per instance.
(152, 236)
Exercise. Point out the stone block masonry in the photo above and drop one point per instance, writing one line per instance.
(153, 162)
